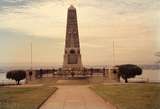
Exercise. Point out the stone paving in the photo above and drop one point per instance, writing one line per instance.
(75, 97)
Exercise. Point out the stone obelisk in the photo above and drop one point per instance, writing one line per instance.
(72, 55)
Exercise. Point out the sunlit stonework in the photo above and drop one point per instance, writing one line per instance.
(72, 55)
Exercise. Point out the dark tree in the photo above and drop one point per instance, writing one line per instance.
(91, 71)
(129, 71)
(41, 73)
(103, 71)
(16, 75)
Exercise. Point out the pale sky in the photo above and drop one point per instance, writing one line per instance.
(134, 25)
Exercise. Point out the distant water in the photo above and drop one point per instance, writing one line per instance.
(148, 75)
(3, 79)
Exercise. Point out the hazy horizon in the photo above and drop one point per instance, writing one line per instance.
(133, 25)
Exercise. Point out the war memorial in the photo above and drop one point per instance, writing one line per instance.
(72, 61)
(73, 85)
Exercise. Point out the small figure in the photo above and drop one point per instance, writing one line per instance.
(30, 74)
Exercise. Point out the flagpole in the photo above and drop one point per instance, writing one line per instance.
(31, 56)
(114, 53)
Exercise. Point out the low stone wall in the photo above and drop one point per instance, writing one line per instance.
(109, 75)
(112, 75)
(30, 77)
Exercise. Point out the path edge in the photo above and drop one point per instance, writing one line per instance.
(106, 101)
(39, 106)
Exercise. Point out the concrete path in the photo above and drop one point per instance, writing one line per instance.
(75, 97)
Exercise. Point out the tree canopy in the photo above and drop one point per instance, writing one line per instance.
(16, 75)
(129, 71)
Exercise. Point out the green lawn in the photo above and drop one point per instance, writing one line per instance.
(23, 98)
(131, 96)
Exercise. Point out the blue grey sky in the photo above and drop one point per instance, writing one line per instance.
(134, 25)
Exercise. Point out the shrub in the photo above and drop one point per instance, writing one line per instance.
(16, 75)
(129, 71)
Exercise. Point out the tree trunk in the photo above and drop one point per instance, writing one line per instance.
(126, 80)
(18, 82)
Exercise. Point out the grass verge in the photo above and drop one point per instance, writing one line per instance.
(24, 97)
(131, 96)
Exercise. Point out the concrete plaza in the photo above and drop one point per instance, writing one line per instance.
(75, 97)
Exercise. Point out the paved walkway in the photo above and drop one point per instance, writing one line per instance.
(75, 97)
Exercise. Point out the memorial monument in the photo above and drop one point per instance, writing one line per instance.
(72, 55)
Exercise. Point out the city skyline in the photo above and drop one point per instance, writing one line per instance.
(133, 26)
